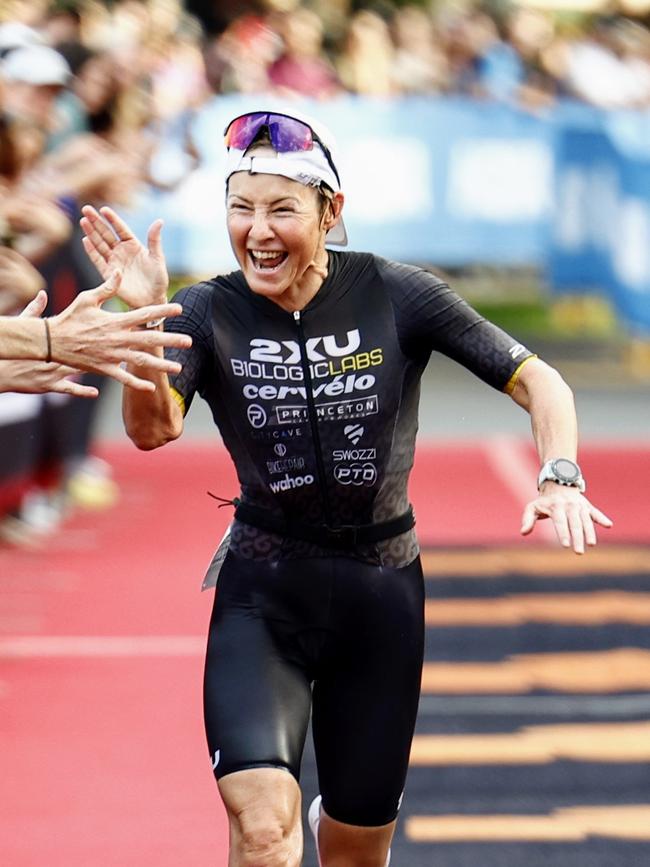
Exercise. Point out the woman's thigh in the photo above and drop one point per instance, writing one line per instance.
(365, 701)
(257, 697)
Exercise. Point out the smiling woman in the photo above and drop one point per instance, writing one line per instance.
(282, 205)
(310, 360)
(277, 230)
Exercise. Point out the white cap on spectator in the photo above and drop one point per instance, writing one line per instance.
(13, 34)
(36, 64)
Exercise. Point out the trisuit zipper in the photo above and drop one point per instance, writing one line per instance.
(313, 418)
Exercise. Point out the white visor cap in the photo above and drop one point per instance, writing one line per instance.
(310, 168)
(36, 64)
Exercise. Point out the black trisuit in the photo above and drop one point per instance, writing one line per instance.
(318, 410)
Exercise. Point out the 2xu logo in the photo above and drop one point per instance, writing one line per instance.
(356, 474)
(274, 352)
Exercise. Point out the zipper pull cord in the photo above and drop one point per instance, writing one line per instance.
(223, 501)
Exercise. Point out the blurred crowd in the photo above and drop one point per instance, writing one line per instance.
(91, 93)
(501, 50)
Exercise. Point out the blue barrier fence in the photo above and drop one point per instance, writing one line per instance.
(453, 182)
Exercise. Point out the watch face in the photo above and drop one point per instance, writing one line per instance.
(566, 470)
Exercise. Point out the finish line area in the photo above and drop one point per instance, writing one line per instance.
(533, 734)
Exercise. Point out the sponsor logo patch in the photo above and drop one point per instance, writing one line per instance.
(284, 464)
(336, 411)
(353, 432)
(517, 350)
(256, 415)
(276, 434)
(289, 483)
(356, 474)
(354, 454)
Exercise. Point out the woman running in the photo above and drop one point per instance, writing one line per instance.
(311, 361)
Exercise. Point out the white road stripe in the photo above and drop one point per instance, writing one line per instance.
(100, 646)
(628, 705)
(517, 471)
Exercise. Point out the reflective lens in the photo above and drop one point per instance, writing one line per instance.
(286, 134)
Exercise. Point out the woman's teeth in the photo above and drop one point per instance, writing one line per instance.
(266, 259)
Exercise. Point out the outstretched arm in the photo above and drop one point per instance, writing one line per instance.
(85, 337)
(543, 393)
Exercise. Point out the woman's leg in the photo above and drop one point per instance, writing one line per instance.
(257, 699)
(364, 710)
(264, 815)
(342, 845)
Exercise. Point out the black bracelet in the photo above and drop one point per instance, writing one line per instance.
(48, 337)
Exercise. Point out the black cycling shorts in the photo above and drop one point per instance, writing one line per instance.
(334, 636)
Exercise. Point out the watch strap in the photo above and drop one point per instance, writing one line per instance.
(548, 473)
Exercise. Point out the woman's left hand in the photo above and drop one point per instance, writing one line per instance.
(572, 514)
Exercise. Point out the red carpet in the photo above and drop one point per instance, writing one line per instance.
(102, 755)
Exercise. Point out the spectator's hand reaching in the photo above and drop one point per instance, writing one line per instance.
(110, 245)
(19, 280)
(97, 340)
(34, 216)
(38, 377)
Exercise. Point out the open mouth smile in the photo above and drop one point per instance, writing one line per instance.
(267, 260)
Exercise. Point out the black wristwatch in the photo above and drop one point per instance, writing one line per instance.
(564, 472)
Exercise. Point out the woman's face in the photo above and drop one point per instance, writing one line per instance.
(276, 232)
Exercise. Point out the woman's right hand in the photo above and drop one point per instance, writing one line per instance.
(112, 246)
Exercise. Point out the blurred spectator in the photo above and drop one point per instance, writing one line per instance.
(91, 101)
(499, 67)
(302, 68)
(419, 63)
(62, 23)
(33, 226)
(365, 65)
(19, 281)
(238, 60)
(33, 78)
(531, 32)
(606, 66)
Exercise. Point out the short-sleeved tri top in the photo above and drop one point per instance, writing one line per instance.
(319, 408)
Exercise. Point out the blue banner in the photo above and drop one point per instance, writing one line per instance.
(600, 237)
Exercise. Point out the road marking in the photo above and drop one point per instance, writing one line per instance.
(570, 824)
(620, 670)
(517, 470)
(565, 706)
(100, 646)
(530, 561)
(538, 745)
(592, 609)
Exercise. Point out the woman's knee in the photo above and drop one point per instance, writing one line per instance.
(263, 807)
(265, 838)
